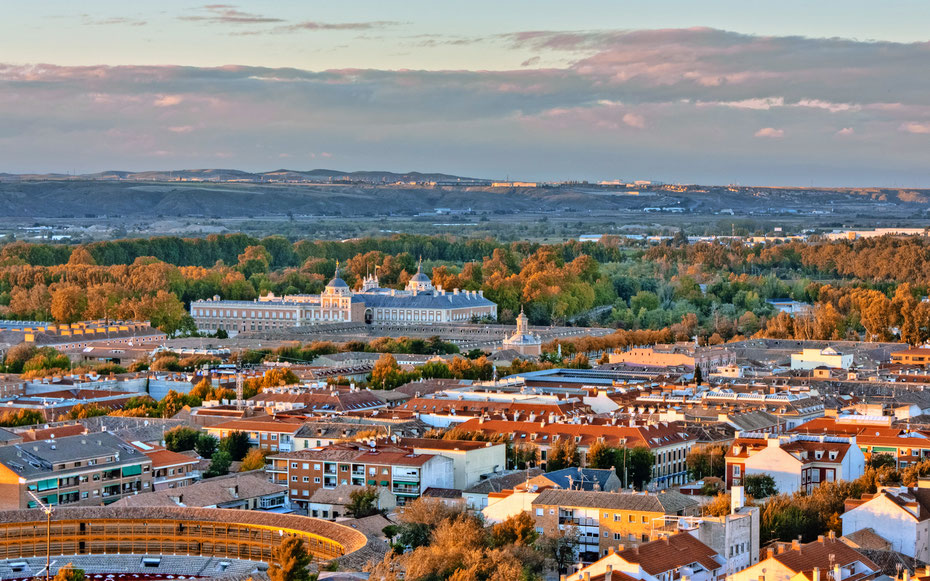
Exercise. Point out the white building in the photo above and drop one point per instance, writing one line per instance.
(814, 358)
(899, 515)
(795, 461)
(419, 303)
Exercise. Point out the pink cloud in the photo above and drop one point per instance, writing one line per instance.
(770, 132)
(168, 100)
(914, 127)
(846, 131)
(634, 120)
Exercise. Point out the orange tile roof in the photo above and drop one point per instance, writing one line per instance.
(822, 553)
(670, 553)
(165, 458)
(654, 436)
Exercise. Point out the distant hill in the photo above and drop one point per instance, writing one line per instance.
(224, 175)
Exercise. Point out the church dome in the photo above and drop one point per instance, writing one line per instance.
(337, 285)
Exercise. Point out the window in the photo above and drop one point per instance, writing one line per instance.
(306, 479)
(316, 480)
(294, 465)
(632, 518)
(306, 465)
(539, 512)
(644, 519)
(316, 466)
(293, 479)
(618, 537)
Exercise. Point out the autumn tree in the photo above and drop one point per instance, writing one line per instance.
(289, 561)
(69, 573)
(253, 460)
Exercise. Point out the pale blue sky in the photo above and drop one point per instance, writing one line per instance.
(786, 92)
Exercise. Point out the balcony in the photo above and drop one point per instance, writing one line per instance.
(578, 521)
(408, 489)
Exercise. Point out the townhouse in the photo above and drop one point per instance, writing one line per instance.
(402, 471)
(875, 435)
(667, 441)
(82, 470)
(795, 461)
(825, 558)
(899, 515)
(606, 520)
(679, 556)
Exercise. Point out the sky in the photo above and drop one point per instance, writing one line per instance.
(823, 93)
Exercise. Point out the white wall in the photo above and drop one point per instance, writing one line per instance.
(780, 465)
(891, 522)
(438, 472)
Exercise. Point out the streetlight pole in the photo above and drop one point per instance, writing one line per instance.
(48, 533)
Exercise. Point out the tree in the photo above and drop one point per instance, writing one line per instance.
(363, 502)
(704, 461)
(206, 445)
(236, 444)
(68, 304)
(639, 463)
(386, 373)
(759, 485)
(519, 529)
(562, 454)
(698, 375)
(253, 460)
(219, 464)
(559, 547)
(719, 506)
(69, 573)
(181, 439)
(880, 460)
(289, 561)
(600, 455)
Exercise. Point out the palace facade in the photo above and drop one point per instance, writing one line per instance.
(420, 302)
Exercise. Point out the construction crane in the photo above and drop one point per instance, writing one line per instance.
(48, 533)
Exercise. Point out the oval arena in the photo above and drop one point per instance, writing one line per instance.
(195, 542)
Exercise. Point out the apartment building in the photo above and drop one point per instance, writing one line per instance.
(171, 469)
(607, 520)
(470, 460)
(82, 470)
(401, 470)
(267, 433)
(667, 441)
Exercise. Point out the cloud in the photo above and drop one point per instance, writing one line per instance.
(634, 120)
(227, 14)
(88, 20)
(702, 94)
(168, 100)
(311, 25)
(914, 127)
(770, 132)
